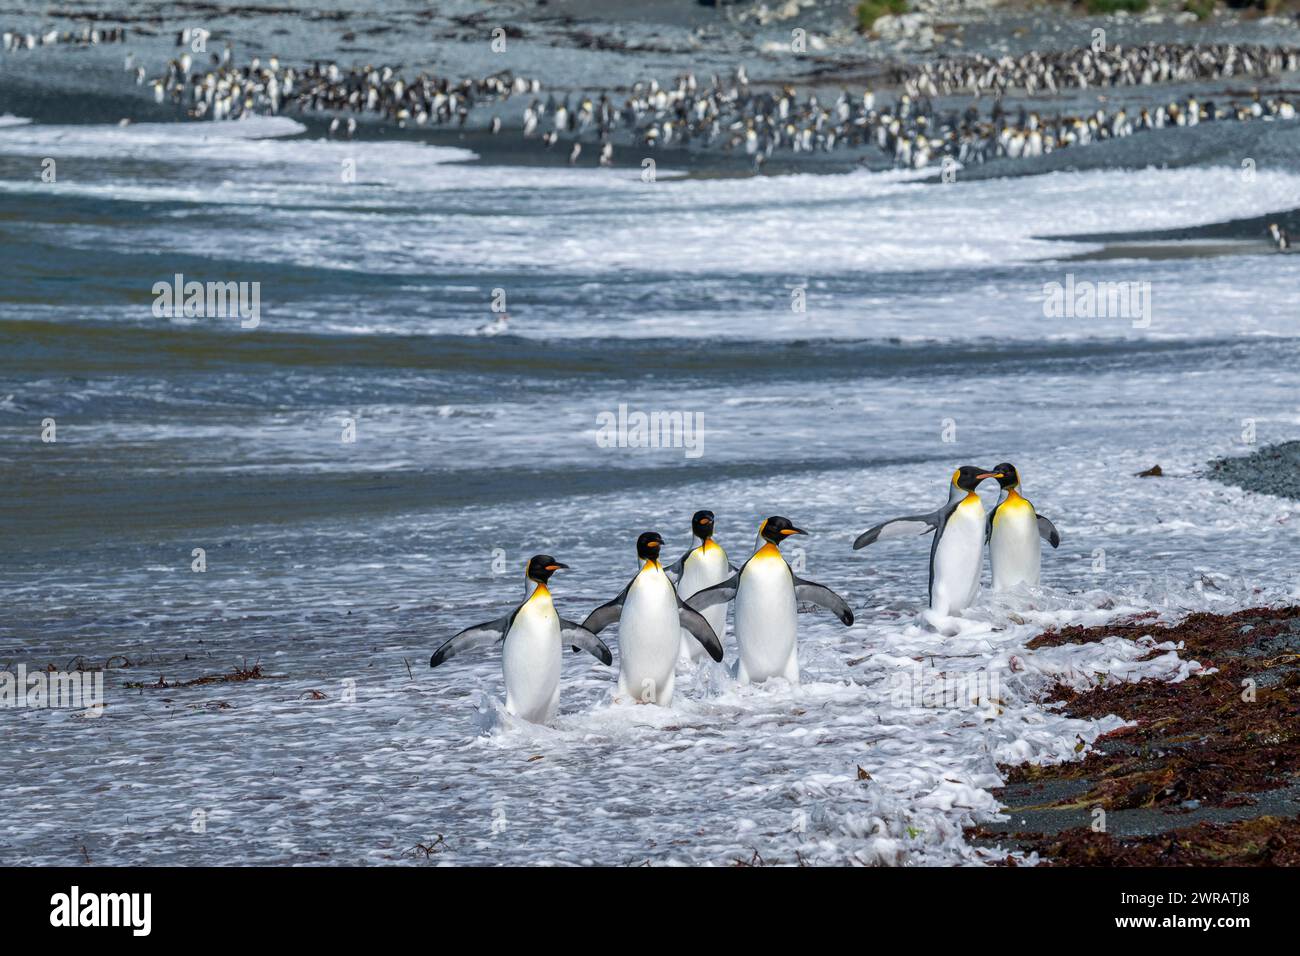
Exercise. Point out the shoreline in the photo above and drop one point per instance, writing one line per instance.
(1204, 774)
(1271, 470)
(358, 476)
(666, 39)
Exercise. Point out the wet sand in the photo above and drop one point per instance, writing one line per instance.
(1175, 250)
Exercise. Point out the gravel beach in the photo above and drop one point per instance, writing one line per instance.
(1272, 470)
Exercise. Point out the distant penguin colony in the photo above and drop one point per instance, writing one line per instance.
(726, 113)
(227, 92)
(1084, 67)
(15, 41)
(662, 626)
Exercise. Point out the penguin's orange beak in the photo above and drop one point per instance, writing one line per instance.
(988, 474)
(793, 531)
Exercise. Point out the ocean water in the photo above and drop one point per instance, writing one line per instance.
(340, 566)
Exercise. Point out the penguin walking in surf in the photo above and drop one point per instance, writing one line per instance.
(702, 567)
(651, 618)
(767, 591)
(535, 637)
(1012, 532)
(957, 550)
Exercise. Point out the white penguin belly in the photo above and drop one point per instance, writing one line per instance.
(766, 629)
(703, 570)
(649, 638)
(530, 661)
(1014, 545)
(959, 558)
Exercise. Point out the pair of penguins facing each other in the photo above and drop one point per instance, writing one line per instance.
(652, 615)
(962, 528)
(766, 590)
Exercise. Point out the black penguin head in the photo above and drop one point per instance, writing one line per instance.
(1006, 475)
(776, 529)
(542, 566)
(968, 477)
(649, 545)
(702, 525)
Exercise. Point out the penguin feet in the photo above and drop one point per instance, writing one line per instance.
(949, 625)
(490, 715)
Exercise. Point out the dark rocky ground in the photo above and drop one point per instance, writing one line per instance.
(1273, 470)
(1209, 773)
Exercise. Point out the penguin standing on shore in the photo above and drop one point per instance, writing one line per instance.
(957, 550)
(534, 636)
(702, 567)
(650, 619)
(1013, 530)
(767, 591)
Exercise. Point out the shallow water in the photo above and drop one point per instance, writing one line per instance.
(341, 566)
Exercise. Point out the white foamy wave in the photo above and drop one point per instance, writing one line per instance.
(254, 127)
(90, 138)
(186, 142)
(593, 222)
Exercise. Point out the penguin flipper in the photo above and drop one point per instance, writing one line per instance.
(606, 614)
(897, 528)
(472, 638)
(1047, 531)
(717, 594)
(813, 593)
(700, 629)
(675, 569)
(581, 639)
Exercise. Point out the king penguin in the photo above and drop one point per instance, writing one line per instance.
(957, 551)
(702, 567)
(534, 636)
(766, 591)
(1013, 530)
(650, 619)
